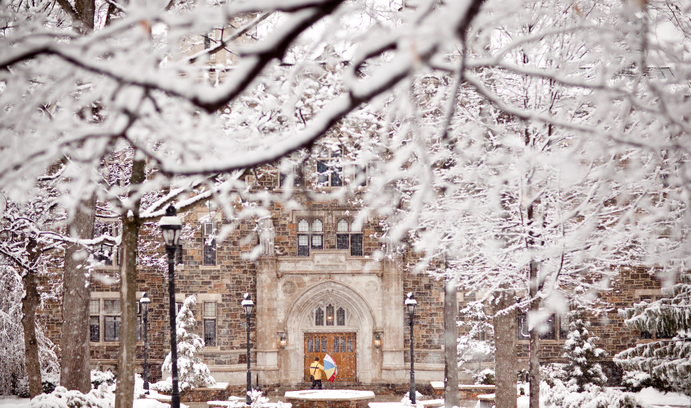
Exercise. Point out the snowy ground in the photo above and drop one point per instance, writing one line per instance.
(648, 395)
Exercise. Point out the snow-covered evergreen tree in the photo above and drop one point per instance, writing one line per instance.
(192, 372)
(582, 355)
(667, 359)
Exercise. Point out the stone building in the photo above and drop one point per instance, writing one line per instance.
(320, 285)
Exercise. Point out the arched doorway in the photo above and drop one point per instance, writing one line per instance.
(333, 319)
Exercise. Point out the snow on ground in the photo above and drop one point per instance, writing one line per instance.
(653, 397)
(14, 402)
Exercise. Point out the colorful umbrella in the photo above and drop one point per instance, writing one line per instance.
(330, 368)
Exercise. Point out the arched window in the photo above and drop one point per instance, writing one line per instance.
(319, 317)
(340, 317)
(342, 226)
(303, 226)
(330, 315)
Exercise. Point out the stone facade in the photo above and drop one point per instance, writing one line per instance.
(289, 286)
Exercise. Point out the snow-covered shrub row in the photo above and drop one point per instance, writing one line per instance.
(102, 397)
(561, 395)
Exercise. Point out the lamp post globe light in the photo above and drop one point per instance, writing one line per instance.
(247, 304)
(144, 302)
(411, 304)
(171, 226)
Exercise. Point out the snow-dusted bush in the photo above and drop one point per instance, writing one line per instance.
(581, 356)
(485, 376)
(559, 395)
(637, 380)
(549, 373)
(102, 377)
(192, 372)
(102, 397)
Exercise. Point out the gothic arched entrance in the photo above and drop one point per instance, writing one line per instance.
(331, 318)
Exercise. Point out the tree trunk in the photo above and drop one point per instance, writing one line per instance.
(450, 345)
(124, 395)
(534, 363)
(75, 363)
(30, 303)
(505, 357)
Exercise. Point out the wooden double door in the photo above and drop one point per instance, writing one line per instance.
(342, 347)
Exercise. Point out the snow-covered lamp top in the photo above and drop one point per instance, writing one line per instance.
(144, 301)
(171, 226)
(247, 303)
(410, 302)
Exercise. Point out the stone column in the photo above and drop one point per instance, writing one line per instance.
(267, 331)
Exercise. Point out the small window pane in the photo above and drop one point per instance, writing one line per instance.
(350, 344)
(319, 317)
(549, 326)
(336, 349)
(317, 226)
(310, 346)
(340, 317)
(303, 245)
(210, 253)
(336, 180)
(522, 332)
(324, 349)
(94, 306)
(209, 309)
(210, 332)
(354, 227)
(111, 306)
(343, 345)
(94, 329)
(303, 226)
(342, 241)
(356, 245)
(563, 327)
(112, 328)
(317, 241)
(342, 226)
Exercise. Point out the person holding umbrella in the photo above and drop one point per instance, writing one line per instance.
(316, 374)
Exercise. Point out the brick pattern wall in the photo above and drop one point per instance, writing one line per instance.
(428, 327)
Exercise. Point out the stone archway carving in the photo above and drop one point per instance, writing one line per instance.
(300, 321)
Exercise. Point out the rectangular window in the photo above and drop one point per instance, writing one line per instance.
(210, 324)
(356, 245)
(303, 245)
(209, 252)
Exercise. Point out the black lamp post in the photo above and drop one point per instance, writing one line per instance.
(171, 227)
(247, 304)
(144, 302)
(411, 303)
